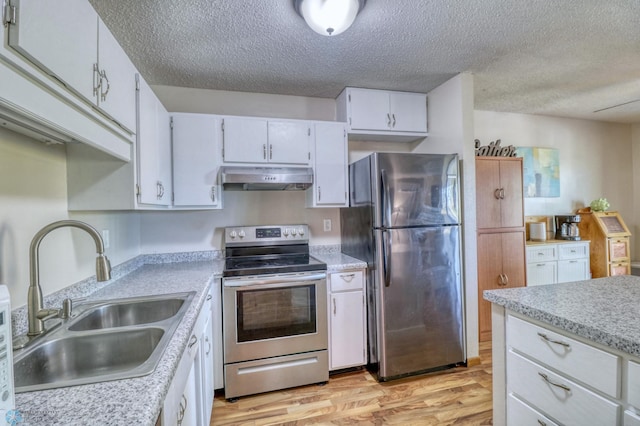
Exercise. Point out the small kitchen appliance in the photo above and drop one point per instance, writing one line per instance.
(7, 394)
(567, 227)
(274, 310)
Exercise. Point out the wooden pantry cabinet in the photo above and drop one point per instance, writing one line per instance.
(609, 238)
(501, 231)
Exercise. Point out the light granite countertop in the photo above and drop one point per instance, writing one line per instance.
(603, 310)
(138, 400)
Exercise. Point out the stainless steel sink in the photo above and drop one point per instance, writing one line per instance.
(106, 340)
(123, 314)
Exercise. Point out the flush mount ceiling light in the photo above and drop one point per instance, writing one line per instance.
(329, 17)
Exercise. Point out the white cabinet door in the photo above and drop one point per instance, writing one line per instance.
(245, 140)
(408, 112)
(117, 97)
(330, 166)
(347, 330)
(153, 149)
(573, 270)
(216, 323)
(207, 370)
(369, 109)
(196, 160)
(541, 273)
(190, 414)
(288, 142)
(61, 38)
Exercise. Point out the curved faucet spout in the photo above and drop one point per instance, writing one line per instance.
(34, 297)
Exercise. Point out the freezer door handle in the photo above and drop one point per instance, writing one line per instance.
(386, 260)
(385, 202)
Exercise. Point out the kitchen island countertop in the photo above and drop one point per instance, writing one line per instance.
(603, 310)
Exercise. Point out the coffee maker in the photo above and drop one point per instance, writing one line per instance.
(567, 227)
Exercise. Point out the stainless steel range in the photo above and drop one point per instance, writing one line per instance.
(274, 309)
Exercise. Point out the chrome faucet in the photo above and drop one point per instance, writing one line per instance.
(36, 314)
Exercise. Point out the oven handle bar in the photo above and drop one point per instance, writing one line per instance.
(279, 280)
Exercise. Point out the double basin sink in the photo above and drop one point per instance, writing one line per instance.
(102, 341)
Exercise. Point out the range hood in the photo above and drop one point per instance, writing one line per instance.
(266, 178)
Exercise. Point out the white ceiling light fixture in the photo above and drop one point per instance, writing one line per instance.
(329, 17)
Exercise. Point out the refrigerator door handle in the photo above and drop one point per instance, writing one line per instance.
(385, 204)
(386, 260)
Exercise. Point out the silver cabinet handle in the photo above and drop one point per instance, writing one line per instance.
(557, 342)
(541, 423)
(388, 120)
(539, 264)
(193, 341)
(96, 79)
(319, 193)
(348, 277)
(502, 193)
(103, 76)
(558, 385)
(270, 151)
(182, 410)
(212, 194)
(264, 151)
(334, 306)
(496, 194)
(394, 120)
(208, 346)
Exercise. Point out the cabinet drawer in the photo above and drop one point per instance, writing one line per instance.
(557, 396)
(631, 419)
(540, 273)
(542, 253)
(573, 270)
(585, 363)
(573, 251)
(518, 412)
(619, 268)
(344, 281)
(633, 380)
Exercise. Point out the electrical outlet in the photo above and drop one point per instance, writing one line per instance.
(105, 238)
(327, 225)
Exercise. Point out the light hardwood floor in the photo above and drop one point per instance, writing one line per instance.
(454, 397)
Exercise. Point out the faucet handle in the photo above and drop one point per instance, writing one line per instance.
(67, 307)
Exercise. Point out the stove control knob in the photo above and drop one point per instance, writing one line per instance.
(241, 234)
(294, 232)
(233, 235)
(301, 231)
(285, 232)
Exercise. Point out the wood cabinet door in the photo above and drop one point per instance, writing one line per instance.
(487, 194)
(511, 202)
(408, 112)
(501, 264)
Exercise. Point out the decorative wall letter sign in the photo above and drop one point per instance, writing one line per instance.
(494, 149)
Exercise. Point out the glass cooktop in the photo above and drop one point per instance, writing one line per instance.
(271, 264)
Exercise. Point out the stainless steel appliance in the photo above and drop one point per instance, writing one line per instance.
(567, 227)
(404, 222)
(266, 178)
(274, 310)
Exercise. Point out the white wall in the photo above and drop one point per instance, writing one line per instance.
(33, 193)
(596, 159)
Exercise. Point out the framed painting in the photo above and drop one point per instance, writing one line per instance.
(541, 171)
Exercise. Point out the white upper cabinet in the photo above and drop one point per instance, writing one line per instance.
(69, 42)
(380, 115)
(330, 166)
(154, 149)
(196, 160)
(259, 140)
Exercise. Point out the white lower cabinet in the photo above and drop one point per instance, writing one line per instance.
(189, 400)
(556, 378)
(347, 320)
(557, 262)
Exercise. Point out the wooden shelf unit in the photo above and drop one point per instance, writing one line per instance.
(609, 238)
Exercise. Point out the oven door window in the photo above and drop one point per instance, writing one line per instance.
(276, 312)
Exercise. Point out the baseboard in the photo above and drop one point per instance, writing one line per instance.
(473, 361)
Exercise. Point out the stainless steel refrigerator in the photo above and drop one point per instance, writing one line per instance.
(404, 221)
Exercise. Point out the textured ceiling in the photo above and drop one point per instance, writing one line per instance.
(555, 57)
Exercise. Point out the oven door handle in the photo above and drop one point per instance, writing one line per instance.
(270, 281)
